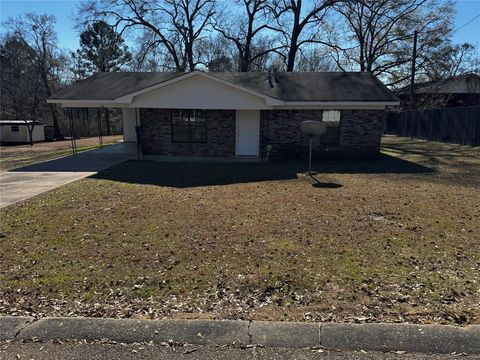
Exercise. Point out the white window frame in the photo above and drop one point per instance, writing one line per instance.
(331, 116)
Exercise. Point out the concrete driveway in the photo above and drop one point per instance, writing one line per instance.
(23, 183)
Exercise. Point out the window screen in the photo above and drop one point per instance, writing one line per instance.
(189, 126)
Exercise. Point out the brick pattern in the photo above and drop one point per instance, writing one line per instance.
(361, 131)
(360, 134)
(157, 135)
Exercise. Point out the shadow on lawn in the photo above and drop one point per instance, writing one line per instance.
(183, 175)
(434, 154)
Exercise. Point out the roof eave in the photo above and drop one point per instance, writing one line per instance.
(350, 103)
(87, 103)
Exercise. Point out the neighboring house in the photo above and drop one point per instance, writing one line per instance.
(240, 115)
(463, 90)
(16, 131)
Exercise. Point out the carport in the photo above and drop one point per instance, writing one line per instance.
(87, 113)
(87, 99)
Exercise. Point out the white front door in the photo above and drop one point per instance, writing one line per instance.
(248, 132)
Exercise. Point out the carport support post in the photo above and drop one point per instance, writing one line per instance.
(99, 120)
(72, 131)
(138, 131)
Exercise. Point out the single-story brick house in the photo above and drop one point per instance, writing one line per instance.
(240, 115)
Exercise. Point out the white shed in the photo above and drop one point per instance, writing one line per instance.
(16, 131)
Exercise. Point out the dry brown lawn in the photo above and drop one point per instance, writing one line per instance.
(14, 157)
(396, 240)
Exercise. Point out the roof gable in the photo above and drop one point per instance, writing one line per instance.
(198, 91)
(195, 78)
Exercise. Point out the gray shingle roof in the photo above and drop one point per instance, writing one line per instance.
(291, 86)
(111, 85)
(463, 84)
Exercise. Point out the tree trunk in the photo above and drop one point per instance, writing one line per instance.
(57, 133)
(243, 66)
(191, 64)
(30, 134)
(292, 53)
(362, 56)
(53, 110)
(245, 61)
(189, 53)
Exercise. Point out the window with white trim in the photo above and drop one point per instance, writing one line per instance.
(331, 118)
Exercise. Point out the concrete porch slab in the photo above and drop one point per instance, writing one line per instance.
(201, 159)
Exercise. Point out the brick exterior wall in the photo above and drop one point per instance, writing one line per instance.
(157, 135)
(360, 134)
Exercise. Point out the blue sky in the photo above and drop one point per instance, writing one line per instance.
(64, 11)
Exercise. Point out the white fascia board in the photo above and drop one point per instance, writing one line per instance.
(337, 104)
(87, 103)
(129, 98)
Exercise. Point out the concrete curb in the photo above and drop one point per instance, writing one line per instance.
(130, 330)
(10, 326)
(370, 337)
(401, 337)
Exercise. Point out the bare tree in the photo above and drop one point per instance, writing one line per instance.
(381, 32)
(299, 24)
(450, 61)
(217, 54)
(174, 25)
(38, 33)
(20, 83)
(244, 30)
(315, 59)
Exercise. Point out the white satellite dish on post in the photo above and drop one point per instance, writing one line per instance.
(312, 128)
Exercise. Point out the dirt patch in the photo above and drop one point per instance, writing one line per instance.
(398, 241)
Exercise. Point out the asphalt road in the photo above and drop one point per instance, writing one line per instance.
(94, 351)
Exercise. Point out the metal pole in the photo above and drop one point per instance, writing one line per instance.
(69, 115)
(74, 137)
(139, 136)
(412, 82)
(310, 157)
(73, 141)
(310, 160)
(99, 121)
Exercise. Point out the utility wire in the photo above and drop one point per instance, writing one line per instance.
(468, 22)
